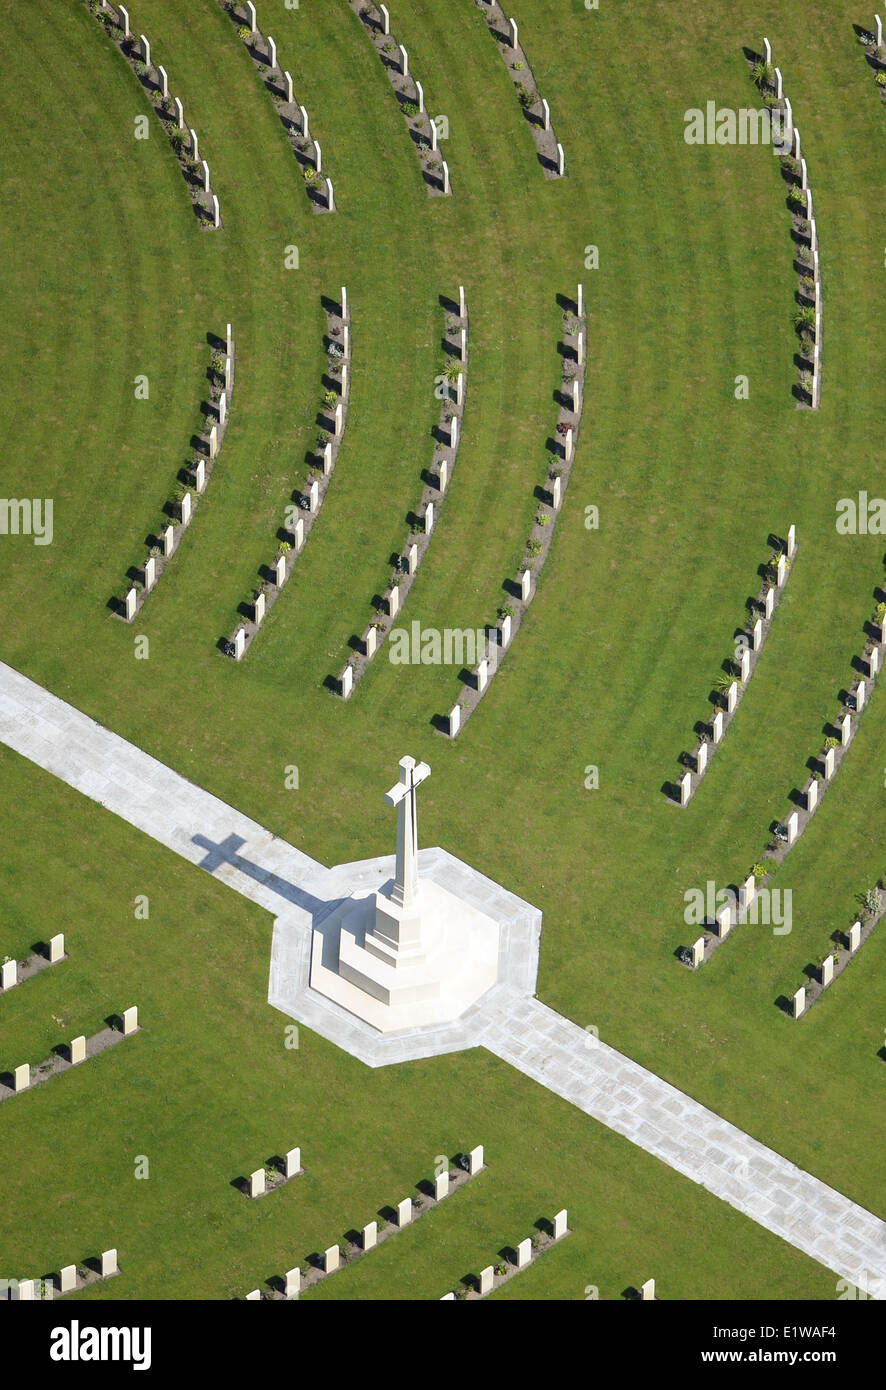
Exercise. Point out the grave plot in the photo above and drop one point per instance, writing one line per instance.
(181, 504)
(294, 118)
(275, 1172)
(736, 671)
(319, 1266)
(534, 107)
(561, 446)
(804, 233)
(15, 972)
(845, 945)
(874, 52)
(69, 1279)
(376, 20)
(306, 503)
(80, 1049)
(743, 904)
(116, 21)
(450, 387)
(513, 1261)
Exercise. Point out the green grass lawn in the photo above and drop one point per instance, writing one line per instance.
(111, 278)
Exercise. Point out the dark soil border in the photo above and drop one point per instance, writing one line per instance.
(842, 957)
(290, 113)
(777, 848)
(541, 537)
(300, 500)
(419, 124)
(350, 1250)
(402, 580)
(528, 94)
(164, 106)
(806, 391)
(60, 1061)
(172, 508)
(469, 1287)
(756, 611)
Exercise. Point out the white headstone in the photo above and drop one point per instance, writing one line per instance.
(254, 1296)
(580, 347)
(513, 32)
(258, 609)
(798, 1001)
(545, 115)
(804, 175)
(200, 475)
(460, 389)
(56, 948)
(561, 160)
(454, 720)
(146, 52)
(287, 78)
(239, 643)
(131, 597)
(560, 1224)
(370, 1235)
(746, 893)
(314, 495)
(647, 1290)
(257, 1183)
(195, 146)
(67, 1278)
(222, 408)
(412, 559)
(745, 663)
(205, 176)
(167, 537)
(827, 970)
(370, 640)
(731, 697)
(717, 726)
(339, 416)
(685, 788)
(108, 1263)
(812, 795)
(429, 518)
(791, 824)
(404, 1211)
(779, 85)
(701, 758)
(9, 974)
(280, 571)
(420, 92)
(344, 303)
(525, 584)
(441, 1186)
(854, 936)
(845, 729)
(385, 19)
(724, 921)
(331, 1259)
(125, 13)
(860, 696)
(213, 441)
(404, 60)
(769, 603)
(130, 1020)
(576, 395)
(792, 541)
(506, 624)
(697, 953)
(874, 661)
(829, 757)
(346, 342)
(568, 447)
(442, 475)
(487, 1276)
(461, 301)
(164, 80)
(318, 157)
(216, 211)
(482, 675)
(453, 432)
(433, 136)
(305, 129)
(327, 458)
(27, 1290)
(757, 635)
(181, 112)
(298, 534)
(186, 509)
(252, 20)
(347, 681)
(781, 571)
(789, 120)
(272, 54)
(475, 1160)
(446, 184)
(78, 1049)
(292, 1279)
(292, 1162)
(394, 602)
(524, 1253)
(879, 23)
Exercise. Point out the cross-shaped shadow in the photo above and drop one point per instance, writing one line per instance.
(226, 853)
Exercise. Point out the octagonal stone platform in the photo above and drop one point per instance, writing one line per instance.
(519, 929)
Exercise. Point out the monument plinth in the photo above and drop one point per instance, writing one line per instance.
(413, 953)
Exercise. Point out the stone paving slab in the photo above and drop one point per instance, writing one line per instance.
(550, 1049)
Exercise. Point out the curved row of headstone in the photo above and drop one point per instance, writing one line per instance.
(179, 510)
(535, 108)
(305, 506)
(747, 902)
(450, 386)
(547, 1233)
(68, 1279)
(336, 1257)
(115, 20)
(737, 671)
(786, 141)
(846, 945)
(15, 972)
(22, 1078)
(293, 117)
(376, 21)
(549, 493)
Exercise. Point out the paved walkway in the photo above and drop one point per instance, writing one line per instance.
(545, 1046)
